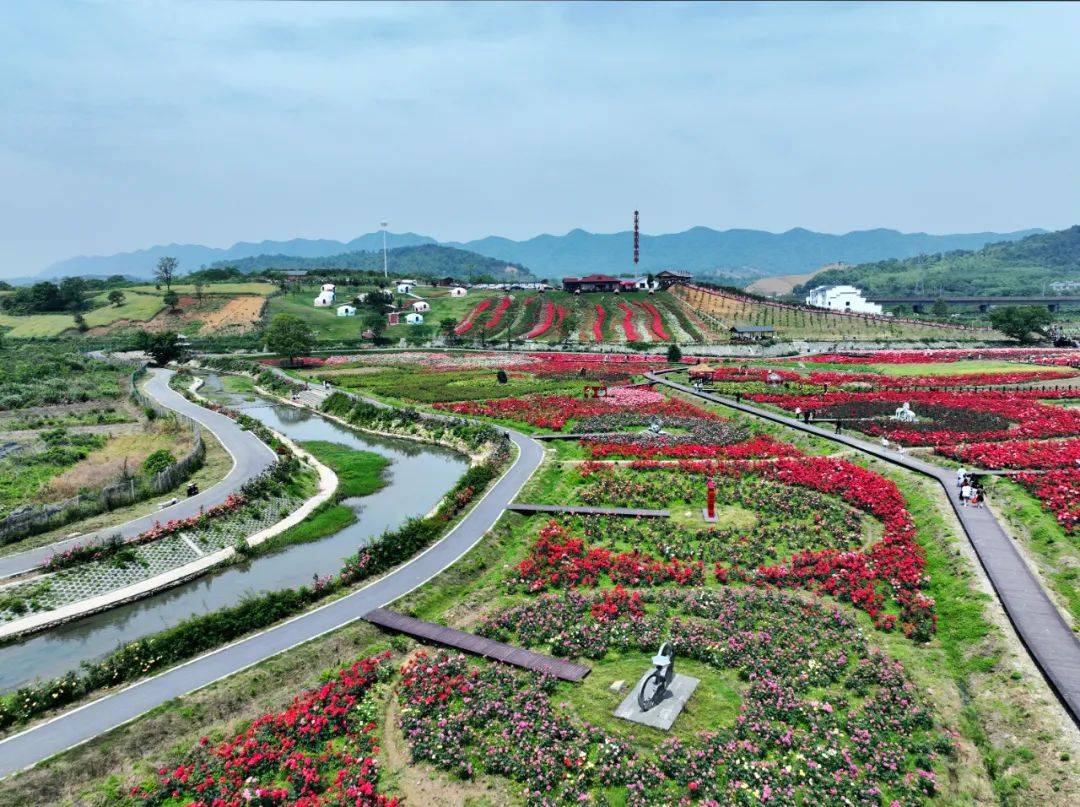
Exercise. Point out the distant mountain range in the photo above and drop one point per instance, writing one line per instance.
(423, 260)
(1046, 263)
(738, 253)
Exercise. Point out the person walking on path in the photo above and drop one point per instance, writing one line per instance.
(965, 492)
(960, 474)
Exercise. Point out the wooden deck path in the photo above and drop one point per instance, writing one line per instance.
(478, 645)
(573, 510)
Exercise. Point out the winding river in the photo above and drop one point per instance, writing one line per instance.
(418, 476)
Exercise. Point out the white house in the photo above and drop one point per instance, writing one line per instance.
(326, 296)
(458, 291)
(414, 319)
(421, 305)
(404, 288)
(346, 311)
(841, 298)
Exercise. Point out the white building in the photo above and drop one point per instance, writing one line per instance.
(325, 299)
(414, 319)
(404, 288)
(421, 305)
(458, 291)
(841, 298)
(346, 311)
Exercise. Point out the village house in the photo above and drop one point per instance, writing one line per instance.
(841, 298)
(326, 296)
(414, 319)
(421, 305)
(346, 311)
(589, 283)
(671, 277)
(458, 291)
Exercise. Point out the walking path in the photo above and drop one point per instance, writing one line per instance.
(250, 458)
(1049, 640)
(97, 717)
(574, 510)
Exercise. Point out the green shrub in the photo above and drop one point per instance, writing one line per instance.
(158, 462)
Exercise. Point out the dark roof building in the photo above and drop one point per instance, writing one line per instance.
(591, 283)
(669, 277)
(751, 333)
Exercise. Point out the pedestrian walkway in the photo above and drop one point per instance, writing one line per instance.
(1049, 640)
(477, 645)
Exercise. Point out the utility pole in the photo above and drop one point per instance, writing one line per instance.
(384, 271)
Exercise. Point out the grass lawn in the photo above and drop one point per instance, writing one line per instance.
(36, 325)
(954, 368)
(360, 473)
(136, 308)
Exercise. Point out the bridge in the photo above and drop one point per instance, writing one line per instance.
(917, 302)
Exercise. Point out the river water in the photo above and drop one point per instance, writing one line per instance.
(418, 476)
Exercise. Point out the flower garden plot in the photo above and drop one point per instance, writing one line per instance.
(319, 752)
(543, 324)
(598, 323)
(467, 323)
(805, 382)
(953, 416)
(1059, 492)
(656, 321)
(1017, 454)
(496, 317)
(629, 331)
(824, 718)
(555, 411)
(885, 579)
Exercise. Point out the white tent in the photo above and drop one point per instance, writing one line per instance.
(324, 300)
(421, 305)
(346, 311)
(458, 291)
(404, 288)
(414, 319)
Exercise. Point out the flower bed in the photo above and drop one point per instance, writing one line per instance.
(1059, 492)
(937, 356)
(824, 719)
(555, 411)
(320, 751)
(629, 331)
(1017, 454)
(760, 445)
(976, 416)
(598, 323)
(497, 314)
(543, 325)
(656, 322)
(466, 324)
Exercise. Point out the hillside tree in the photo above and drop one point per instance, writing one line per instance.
(171, 299)
(116, 297)
(289, 336)
(166, 271)
(1022, 322)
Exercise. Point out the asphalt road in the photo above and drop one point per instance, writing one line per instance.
(250, 458)
(1050, 642)
(79, 725)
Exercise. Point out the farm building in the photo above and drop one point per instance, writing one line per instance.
(576, 285)
(414, 319)
(421, 305)
(393, 318)
(325, 299)
(458, 291)
(841, 298)
(670, 277)
(404, 288)
(346, 311)
(751, 333)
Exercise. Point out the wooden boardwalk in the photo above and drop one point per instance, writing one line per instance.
(574, 510)
(478, 645)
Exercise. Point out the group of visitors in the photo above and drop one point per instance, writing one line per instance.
(971, 490)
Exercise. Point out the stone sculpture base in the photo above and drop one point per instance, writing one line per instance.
(708, 519)
(662, 716)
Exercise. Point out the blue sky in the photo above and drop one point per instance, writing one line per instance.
(131, 124)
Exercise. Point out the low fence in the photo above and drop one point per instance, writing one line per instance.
(33, 520)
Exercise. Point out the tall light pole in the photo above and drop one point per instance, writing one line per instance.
(384, 272)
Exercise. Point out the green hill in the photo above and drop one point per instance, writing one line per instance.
(1027, 266)
(426, 260)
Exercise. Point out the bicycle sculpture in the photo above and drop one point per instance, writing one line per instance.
(655, 687)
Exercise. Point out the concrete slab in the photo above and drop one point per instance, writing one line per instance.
(662, 716)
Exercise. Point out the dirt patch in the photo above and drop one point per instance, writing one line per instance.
(783, 284)
(239, 315)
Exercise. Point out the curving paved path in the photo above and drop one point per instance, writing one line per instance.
(97, 717)
(250, 458)
(1040, 626)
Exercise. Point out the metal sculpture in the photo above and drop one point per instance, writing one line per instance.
(655, 687)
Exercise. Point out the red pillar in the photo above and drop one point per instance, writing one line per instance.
(712, 497)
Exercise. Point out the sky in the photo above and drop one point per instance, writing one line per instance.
(132, 124)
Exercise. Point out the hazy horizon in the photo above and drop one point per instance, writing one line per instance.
(132, 125)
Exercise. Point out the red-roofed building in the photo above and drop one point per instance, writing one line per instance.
(591, 283)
